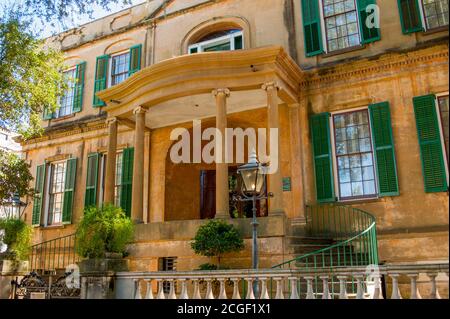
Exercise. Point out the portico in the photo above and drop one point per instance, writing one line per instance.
(206, 86)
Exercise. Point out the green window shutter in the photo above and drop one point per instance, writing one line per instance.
(380, 119)
(311, 27)
(39, 195)
(90, 198)
(433, 165)
(368, 34)
(320, 134)
(101, 72)
(410, 16)
(69, 190)
(79, 87)
(127, 180)
(135, 59)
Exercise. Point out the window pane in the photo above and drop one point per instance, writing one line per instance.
(66, 101)
(341, 24)
(436, 13)
(354, 155)
(56, 194)
(443, 109)
(119, 68)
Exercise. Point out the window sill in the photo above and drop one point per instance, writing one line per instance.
(436, 30)
(338, 52)
(65, 117)
(360, 201)
(58, 226)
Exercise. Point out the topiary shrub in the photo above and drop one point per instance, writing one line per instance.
(17, 238)
(103, 230)
(216, 238)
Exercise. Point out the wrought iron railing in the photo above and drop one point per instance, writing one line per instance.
(52, 255)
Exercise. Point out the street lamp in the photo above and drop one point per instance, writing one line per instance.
(253, 188)
(13, 208)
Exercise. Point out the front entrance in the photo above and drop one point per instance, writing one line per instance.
(238, 209)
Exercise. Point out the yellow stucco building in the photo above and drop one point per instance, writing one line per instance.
(361, 112)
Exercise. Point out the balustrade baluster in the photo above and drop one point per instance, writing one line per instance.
(264, 292)
(223, 292)
(183, 294)
(149, 292)
(359, 286)
(161, 294)
(236, 294)
(342, 287)
(309, 288)
(250, 293)
(326, 290)
(137, 289)
(209, 292)
(378, 292)
(434, 290)
(196, 294)
(279, 294)
(294, 291)
(395, 289)
(172, 293)
(415, 294)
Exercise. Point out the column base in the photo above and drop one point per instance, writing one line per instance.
(277, 213)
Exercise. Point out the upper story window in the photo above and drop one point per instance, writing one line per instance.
(120, 65)
(56, 192)
(66, 102)
(423, 15)
(341, 23)
(435, 13)
(227, 40)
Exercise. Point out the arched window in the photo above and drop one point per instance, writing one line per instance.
(225, 40)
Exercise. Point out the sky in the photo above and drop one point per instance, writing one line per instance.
(99, 12)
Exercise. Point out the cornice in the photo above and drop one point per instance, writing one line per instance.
(390, 62)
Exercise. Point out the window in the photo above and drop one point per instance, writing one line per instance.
(341, 24)
(119, 68)
(435, 13)
(56, 192)
(443, 111)
(66, 102)
(354, 155)
(228, 40)
(118, 183)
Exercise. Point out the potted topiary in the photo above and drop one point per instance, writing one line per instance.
(15, 242)
(101, 238)
(214, 239)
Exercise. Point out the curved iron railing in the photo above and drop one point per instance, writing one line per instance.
(53, 254)
(352, 231)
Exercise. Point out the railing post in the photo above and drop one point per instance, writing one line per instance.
(359, 286)
(395, 289)
(294, 292)
(309, 289)
(264, 292)
(250, 294)
(378, 292)
(223, 293)
(434, 290)
(183, 293)
(209, 292)
(342, 287)
(137, 289)
(236, 294)
(279, 294)
(196, 294)
(161, 294)
(172, 293)
(149, 292)
(415, 294)
(326, 290)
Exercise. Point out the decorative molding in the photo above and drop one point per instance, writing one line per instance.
(58, 157)
(140, 110)
(270, 85)
(223, 91)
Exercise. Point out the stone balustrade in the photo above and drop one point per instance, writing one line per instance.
(333, 283)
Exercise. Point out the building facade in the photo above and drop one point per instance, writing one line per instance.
(361, 110)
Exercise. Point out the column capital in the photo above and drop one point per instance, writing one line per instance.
(270, 85)
(224, 91)
(111, 120)
(140, 110)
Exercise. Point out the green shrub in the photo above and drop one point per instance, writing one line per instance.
(103, 230)
(17, 237)
(207, 266)
(216, 238)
